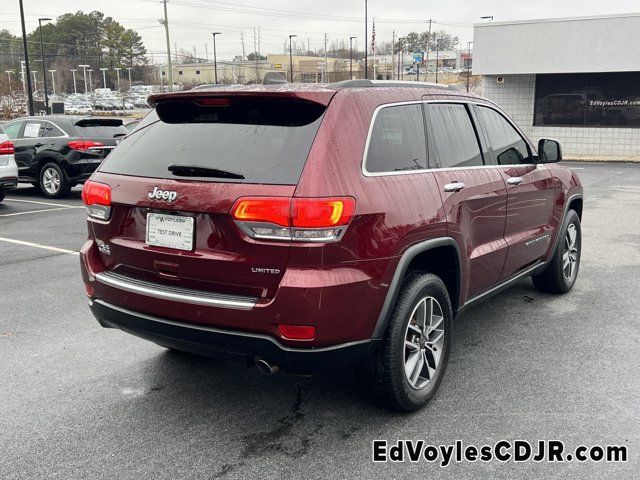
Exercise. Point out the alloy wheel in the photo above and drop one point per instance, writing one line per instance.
(424, 342)
(570, 252)
(51, 181)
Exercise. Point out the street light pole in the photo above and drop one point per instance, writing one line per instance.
(468, 64)
(215, 60)
(437, 56)
(73, 72)
(35, 81)
(84, 70)
(53, 80)
(90, 80)
(165, 22)
(27, 76)
(366, 42)
(44, 65)
(129, 70)
(351, 57)
(104, 76)
(291, 59)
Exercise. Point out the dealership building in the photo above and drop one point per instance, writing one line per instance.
(576, 80)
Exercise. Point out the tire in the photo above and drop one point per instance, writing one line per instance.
(394, 388)
(560, 277)
(2, 194)
(53, 181)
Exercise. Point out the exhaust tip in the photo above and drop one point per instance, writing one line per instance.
(266, 368)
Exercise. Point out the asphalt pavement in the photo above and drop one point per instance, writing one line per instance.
(79, 401)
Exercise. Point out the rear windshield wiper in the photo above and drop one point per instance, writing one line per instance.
(192, 171)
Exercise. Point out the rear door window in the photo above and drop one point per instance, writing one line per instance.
(451, 136)
(254, 140)
(509, 148)
(397, 140)
(33, 129)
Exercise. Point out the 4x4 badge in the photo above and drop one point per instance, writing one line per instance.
(158, 194)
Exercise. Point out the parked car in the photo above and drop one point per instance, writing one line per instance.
(57, 152)
(312, 228)
(8, 167)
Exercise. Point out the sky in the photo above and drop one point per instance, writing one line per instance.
(192, 21)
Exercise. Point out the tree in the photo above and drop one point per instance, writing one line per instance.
(255, 56)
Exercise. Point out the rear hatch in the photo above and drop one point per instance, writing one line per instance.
(175, 178)
(101, 134)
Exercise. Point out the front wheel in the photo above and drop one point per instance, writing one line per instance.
(561, 273)
(53, 181)
(414, 354)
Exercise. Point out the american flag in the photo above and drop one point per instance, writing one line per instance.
(373, 37)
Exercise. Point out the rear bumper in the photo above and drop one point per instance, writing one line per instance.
(8, 183)
(204, 340)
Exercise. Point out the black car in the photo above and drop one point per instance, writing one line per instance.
(57, 152)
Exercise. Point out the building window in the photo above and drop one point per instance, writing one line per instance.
(179, 72)
(588, 99)
(197, 72)
(164, 73)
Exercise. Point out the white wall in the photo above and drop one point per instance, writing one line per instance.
(564, 45)
(516, 97)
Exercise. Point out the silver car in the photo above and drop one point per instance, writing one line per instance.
(8, 167)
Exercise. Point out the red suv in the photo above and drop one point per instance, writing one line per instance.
(310, 228)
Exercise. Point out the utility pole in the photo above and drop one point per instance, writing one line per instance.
(104, 75)
(90, 80)
(206, 52)
(26, 62)
(166, 30)
(469, 64)
(44, 65)
(291, 58)
(400, 39)
(244, 56)
(255, 53)
(129, 70)
(437, 56)
(9, 72)
(366, 43)
(215, 60)
(35, 81)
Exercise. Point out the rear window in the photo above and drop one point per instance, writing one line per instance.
(100, 128)
(254, 140)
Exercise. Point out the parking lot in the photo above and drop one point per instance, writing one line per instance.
(79, 401)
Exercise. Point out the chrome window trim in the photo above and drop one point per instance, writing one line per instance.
(367, 173)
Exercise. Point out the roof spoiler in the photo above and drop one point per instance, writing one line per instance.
(99, 122)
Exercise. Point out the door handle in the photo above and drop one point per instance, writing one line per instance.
(514, 180)
(454, 187)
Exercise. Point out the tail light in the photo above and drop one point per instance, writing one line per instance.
(294, 219)
(97, 199)
(84, 145)
(6, 148)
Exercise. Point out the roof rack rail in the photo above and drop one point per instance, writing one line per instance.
(363, 83)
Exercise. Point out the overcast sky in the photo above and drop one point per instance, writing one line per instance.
(194, 20)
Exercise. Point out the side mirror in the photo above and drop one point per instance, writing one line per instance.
(549, 151)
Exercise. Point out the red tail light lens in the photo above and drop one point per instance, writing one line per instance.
(6, 148)
(97, 199)
(83, 145)
(297, 219)
(322, 212)
(297, 332)
(270, 210)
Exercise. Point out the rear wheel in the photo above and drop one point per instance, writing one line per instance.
(408, 368)
(53, 181)
(2, 194)
(562, 271)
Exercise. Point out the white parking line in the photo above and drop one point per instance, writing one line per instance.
(37, 245)
(42, 203)
(37, 211)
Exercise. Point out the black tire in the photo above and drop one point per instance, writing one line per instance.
(2, 194)
(62, 188)
(387, 376)
(554, 279)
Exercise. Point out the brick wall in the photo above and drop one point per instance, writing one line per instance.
(516, 97)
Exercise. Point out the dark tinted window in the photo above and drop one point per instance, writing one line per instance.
(265, 141)
(593, 99)
(508, 146)
(452, 139)
(397, 140)
(50, 130)
(100, 128)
